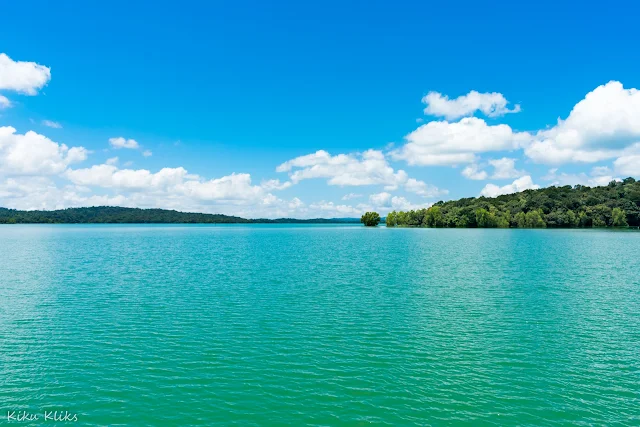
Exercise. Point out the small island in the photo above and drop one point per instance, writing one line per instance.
(370, 219)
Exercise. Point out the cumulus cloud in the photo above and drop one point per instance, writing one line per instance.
(22, 77)
(167, 189)
(505, 168)
(36, 172)
(423, 189)
(275, 184)
(4, 102)
(351, 196)
(384, 202)
(120, 142)
(380, 199)
(628, 165)
(490, 104)
(330, 209)
(30, 193)
(520, 184)
(110, 176)
(52, 124)
(169, 185)
(234, 187)
(295, 203)
(32, 154)
(601, 126)
(473, 171)
(598, 176)
(444, 143)
(370, 167)
(402, 204)
(147, 153)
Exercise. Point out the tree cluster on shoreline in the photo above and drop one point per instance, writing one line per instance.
(118, 215)
(370, 219)
(614, 205)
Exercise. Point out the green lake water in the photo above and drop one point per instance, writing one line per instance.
(319, 325)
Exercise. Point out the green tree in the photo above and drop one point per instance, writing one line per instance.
(520, 220)
(401, 219)
(391, 220)
(485, 219)
(433, 217)
(619, 218)
(533, 219)
(370, 219)
(502, 221)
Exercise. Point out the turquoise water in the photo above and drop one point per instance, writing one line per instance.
(320, 325)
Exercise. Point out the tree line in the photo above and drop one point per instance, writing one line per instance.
(614, 205)
(118, 215)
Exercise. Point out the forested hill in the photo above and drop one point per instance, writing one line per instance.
(614, 205)
(115, 215)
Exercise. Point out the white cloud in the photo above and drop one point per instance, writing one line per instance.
(234, 187)
(380, 199)
(168, 183)
(385, 202)
(52, 124)
(368, 168)
(628, 165)
(35, 154)
(520, 184)
(602, 126)
(4, 102)
(444, 143)
(295, 203)
(166, 189)
(40, 192)
(599, 127)
(402, 204)
(598, 176)
(330, 209)
(351, 196)
(22, 77)
(147, 153)
(490, 104)
(505, 168)
(423, 189)
(275, 184)
(382, 203)
(109, 176)
(121, 142)
(36, 172)
(473, 172)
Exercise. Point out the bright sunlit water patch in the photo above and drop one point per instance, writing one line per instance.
(320, 325)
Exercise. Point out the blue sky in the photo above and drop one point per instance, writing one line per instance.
(225, 97)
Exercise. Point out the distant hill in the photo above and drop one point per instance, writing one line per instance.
(118, 215)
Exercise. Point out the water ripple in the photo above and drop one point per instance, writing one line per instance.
(320, 326)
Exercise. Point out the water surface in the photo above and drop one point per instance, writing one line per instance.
(320, 325)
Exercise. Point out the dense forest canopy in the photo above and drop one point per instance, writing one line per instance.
(614, 205)
(117, 215)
